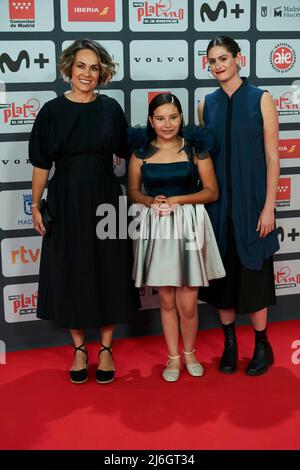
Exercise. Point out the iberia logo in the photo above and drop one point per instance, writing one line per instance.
(153, 94)
(21, 10)
(289, 148)
(92, 10)
(283, 57)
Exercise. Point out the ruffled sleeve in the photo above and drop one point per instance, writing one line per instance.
(39, 141)
(200, 140)
(138, 142)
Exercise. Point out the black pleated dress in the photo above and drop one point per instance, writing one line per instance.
(85, 281)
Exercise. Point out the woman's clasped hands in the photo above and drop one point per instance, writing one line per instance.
(164, 205)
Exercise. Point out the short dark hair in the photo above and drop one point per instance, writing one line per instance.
(159, 100)
(107, 66)
(225, 41)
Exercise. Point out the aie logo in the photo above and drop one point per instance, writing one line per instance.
(213, 15)
(14, 65)
(282, 57)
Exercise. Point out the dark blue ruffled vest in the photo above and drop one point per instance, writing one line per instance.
(240, 167)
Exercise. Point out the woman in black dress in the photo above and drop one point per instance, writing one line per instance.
(85, 278)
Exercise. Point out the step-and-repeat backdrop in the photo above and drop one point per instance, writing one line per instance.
(160, 46)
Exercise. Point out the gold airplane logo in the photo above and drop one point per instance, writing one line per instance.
(104, 12)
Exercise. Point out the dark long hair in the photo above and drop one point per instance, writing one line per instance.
(225, 41)
(159, 100)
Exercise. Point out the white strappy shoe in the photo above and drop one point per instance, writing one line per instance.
(195, 369)
(171, 375)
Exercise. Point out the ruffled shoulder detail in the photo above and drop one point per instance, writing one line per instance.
(200, 138)
(138, 142)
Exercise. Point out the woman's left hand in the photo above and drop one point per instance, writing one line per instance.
(266, 222)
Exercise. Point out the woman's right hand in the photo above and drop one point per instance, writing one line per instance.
(37, 221)
(159, 199)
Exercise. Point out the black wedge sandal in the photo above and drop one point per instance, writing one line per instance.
(79, 376)
(105, 376)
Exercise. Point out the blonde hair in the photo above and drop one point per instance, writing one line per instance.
(107, 65)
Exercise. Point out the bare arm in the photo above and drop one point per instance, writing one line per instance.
(266, 221)
(200, 112)
(209, 191)
(135, 183)
(39, 181)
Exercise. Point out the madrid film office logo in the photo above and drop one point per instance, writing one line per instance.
(159, 12)
(282, 57)
(209, 14)
(288, 11)
(277, 11)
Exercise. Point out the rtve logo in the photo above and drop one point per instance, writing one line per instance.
(23, 255)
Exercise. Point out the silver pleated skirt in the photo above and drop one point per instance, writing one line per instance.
(177, 250)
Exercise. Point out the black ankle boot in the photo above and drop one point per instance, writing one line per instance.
(228, 362)
(263, 356)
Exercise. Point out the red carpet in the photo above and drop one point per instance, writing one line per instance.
(41, 409)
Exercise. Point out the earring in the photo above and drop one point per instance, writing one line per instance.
(210, 75)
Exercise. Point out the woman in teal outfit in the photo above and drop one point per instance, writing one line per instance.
(176, 250)
(244, 121)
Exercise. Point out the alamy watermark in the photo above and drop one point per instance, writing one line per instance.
(2, 92)
(296, 92)
(158, 222)
(296, 354)
(2, 352)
